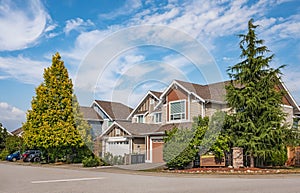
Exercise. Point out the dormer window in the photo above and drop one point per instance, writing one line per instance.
(157, 117)
(177, 110)
(140, 118)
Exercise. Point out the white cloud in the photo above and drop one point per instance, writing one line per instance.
(85, 42)
(129, 7)
(23, 69)
(11, 117)
(21, 25)
(77, 24)
(205, 22)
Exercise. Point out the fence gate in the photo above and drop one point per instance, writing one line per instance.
(137, 158)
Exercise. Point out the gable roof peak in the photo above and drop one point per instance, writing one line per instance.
(114, 110)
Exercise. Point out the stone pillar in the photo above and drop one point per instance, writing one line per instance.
(237, 157)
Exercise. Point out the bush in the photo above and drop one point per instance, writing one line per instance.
(108, 158)
(91, 162)
(3, 154)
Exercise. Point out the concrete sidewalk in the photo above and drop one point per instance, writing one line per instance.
(143, 166)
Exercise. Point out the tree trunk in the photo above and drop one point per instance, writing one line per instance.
(251, 161)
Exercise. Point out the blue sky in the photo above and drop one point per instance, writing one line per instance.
(117, 50)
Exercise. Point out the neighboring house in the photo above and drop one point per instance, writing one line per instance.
(18, 132)
(176, 106)
(124, 137)
(110, 112)
(94, 120)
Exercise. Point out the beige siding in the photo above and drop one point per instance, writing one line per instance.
(289, 114)
(211, 108)
(139, 145)
(196, 109)
(164, 114)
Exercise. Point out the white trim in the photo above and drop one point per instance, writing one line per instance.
(289, 94)
(9, 133)
(287, 106)
(130, 146)
(141, 101)
(111, 127)
(94, 102)
(115, 139)
(183, 88)
(203, 110)
(185, 113)
(154, 117)
(137, 117)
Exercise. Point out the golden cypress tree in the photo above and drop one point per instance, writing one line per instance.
(52, 123)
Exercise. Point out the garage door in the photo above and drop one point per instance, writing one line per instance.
(118, 147)
(157, 150)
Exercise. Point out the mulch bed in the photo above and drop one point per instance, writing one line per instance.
(237, 171)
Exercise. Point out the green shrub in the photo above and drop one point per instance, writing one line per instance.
(110, 159)
(91, 162)
(3, 154)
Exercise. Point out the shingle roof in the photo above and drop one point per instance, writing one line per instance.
(146, 129)
(156, 93)
(138, 128)
(90, 114)
(115, 110)
(215, 91)
(17, 132)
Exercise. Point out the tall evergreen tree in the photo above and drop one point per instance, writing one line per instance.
(51, 123)
(258, 122)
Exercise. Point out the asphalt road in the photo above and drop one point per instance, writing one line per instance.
(33, 179)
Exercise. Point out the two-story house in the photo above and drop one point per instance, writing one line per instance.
(174, 107)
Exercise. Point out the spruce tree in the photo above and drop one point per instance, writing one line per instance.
(259, 121)
(52, 123)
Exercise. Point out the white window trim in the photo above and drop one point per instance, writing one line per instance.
(160, 117)
(180, 120)
(137, 118)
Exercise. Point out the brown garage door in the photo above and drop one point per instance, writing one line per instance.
(157, 151)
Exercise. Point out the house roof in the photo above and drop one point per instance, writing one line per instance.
(138, 128)
(18, 132)
(115, 110)
(209, 92)
(90, 114)
(142, 129)
(155, 94)
(133, 128)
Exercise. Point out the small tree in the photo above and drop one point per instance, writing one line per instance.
(182, 145)
(52, 122)
(14, 143)
(258, 123)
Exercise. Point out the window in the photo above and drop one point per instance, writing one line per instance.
(140, 119)
(177, 110)
(157, 117)
(118, 131)
(151, 101)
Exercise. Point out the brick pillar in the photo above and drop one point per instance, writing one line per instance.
(237, 157)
